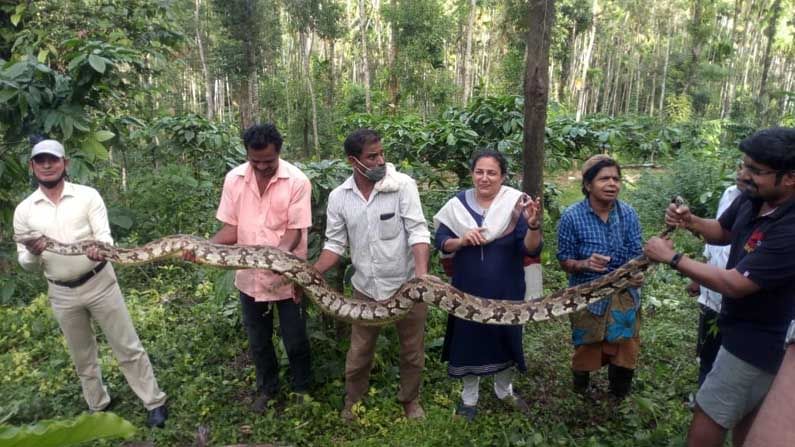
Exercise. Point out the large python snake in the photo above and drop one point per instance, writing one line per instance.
(428, 288)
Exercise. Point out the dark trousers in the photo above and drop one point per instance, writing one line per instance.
(708, 341)
(258, 320)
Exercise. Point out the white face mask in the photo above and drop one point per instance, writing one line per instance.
(373, 174)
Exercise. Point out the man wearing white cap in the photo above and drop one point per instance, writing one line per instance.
(82, 287)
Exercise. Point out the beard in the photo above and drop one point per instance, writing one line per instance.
(49, 184)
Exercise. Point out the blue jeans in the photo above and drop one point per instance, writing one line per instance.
(258, 320)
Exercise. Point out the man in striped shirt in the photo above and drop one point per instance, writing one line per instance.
(376, 214)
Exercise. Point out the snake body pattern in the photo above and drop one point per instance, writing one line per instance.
(428, 288)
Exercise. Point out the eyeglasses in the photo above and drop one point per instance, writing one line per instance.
(753, 170)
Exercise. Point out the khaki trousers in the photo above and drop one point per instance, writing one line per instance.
(359, 362)
(100, 298)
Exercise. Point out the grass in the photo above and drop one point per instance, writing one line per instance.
(198, 348)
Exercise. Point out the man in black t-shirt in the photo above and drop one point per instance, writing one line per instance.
(757, 302)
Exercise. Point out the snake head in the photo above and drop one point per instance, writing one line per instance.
(679, 201)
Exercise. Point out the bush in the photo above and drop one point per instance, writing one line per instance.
(167, 201)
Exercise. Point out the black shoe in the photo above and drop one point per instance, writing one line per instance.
(262, 402)
(620, 381)
(157, 417)
(582, 380)
(467, 412)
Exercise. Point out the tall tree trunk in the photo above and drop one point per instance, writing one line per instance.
(365, 58)
(541, 16)
(762, 100)
(332, 75)
(665, 76)
(394, 82)
(465, 74)
(208, 83)
(696, 43)
(728, 95)
(307, 41)
(566, 63)
(586, 63)
(248, 91)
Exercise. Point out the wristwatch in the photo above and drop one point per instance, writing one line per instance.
(675, 260)
(790, 338)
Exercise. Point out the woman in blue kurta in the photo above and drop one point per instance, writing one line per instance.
(487, 261)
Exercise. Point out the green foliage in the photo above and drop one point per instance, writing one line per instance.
(205, 145)
(325, 175)
(169, 200)
(253, 33)
(678, 109)
(653, 192)
(87, 427)
(421, 28)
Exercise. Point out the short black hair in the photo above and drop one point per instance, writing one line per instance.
(489, 153)
(590, 174)
(774, 147)
(259, 136)
(358, 139)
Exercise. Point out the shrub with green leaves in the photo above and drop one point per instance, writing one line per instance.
(170, 200)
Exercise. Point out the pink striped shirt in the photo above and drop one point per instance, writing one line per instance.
(263, 220)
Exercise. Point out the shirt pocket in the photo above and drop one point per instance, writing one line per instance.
(388, 225)
(591, 245)
(277, 216)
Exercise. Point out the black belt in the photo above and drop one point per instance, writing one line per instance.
(82, 279)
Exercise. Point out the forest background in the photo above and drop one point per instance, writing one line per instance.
(149, 98)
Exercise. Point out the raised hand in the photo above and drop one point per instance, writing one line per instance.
(532, 211)
(678, 216)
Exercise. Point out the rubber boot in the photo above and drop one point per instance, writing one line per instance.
(581, 381)
(620, 381)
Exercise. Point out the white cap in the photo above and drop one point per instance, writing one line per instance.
(48, 147)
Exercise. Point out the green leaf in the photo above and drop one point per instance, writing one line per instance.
(7, 95)
(87, 427)
(16, 18)
(104, 135)
(97, 63)
(16, 70)
(5, 295)
(43, 53)
(121, 220)
(50, 120)
(67, 125)
(94, 149)
(451, 140)
(76, 61)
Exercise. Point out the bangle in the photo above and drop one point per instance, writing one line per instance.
(675, 260)
(535, 228)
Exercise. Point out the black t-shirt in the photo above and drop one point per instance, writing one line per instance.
(763, 250)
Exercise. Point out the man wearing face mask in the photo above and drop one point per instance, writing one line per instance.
(82, 288)
(377, 215)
